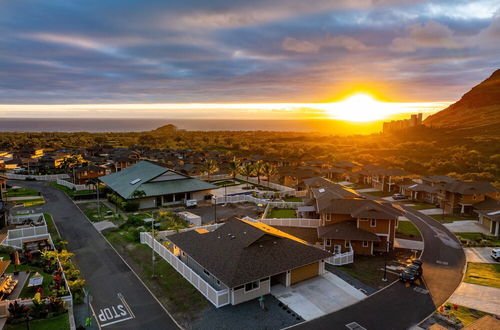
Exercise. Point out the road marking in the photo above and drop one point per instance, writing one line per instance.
(114, 313)
(440, 262)
(354, 326)
(420, 290)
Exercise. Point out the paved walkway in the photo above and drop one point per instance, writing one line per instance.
(408, 244)
(479, 254)
(103, 225)
(483, 298)
(365, 190)
(466, 226)
(431, 211)
(318, 296)
(23, 198)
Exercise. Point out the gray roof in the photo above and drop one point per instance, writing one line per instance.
(239, 252)
(487, 204)
(346, 230)
(470, 188)
(438, 179)
(153, 179)
(422, 187)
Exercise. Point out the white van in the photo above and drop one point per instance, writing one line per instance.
(495, 254)
(191, 203)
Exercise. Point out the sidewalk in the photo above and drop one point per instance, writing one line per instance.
(480, 297)
(479, 254)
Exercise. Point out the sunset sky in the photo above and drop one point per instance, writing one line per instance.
(278, 58)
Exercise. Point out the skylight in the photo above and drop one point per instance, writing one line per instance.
(135, 181)
(321, 190)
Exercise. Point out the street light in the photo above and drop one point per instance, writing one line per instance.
(385, 261)
(152, 244)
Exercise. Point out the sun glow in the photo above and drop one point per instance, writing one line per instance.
(360, 108)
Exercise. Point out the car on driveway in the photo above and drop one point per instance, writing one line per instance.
(412, 272)
(495, 254)
(398, 196)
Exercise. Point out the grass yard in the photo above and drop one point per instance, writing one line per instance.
(407, 229)
(463, 314)
(51, 226)
(477, 239)
(449, 218)
(90, 210)
(282, 213)
(380, 193)
(21, 192)
(29, 292)
(483, 274)
(369, 269)
(60, 322)
(292, 199)
(226, 183)
(70, 192)
(177, 294)
(421, 206)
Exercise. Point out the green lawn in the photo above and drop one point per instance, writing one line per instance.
(407, 228)
(70, 192)
(464, 314)
(421, 206)
(90, 210)
(478, 239)
(176, 293)
(449, 218)
(21, 192)
(292, 199)
(51, 226)
(483, 274)
(282, 213)
(226, 183)
(60, 322)
(380, 193)
(29, 292)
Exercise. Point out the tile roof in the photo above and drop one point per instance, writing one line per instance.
(240, 251)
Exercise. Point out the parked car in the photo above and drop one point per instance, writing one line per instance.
(191, 203)
(408, 276)
(398, 196)
(495, 254)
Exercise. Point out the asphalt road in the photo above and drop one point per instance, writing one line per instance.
(119, 299)
(399, 307)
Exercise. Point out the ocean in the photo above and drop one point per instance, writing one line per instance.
(140, 125)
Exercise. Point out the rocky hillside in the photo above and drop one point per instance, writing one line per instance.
(480, 107)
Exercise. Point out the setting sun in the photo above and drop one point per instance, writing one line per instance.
(360, 107)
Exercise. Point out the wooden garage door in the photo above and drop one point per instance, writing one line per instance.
(304, 272)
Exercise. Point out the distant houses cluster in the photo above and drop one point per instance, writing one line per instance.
(397, 125)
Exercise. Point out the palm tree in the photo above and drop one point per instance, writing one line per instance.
(247, 170)
(209, 166)
(269, 170)
(258, 170)
(234, 167)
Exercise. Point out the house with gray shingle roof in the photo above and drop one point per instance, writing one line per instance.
(152, 185)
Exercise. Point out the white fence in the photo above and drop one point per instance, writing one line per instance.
(35, 218)
(73, 186)
(340, 259)
(292, 222)
(52, 177)
(16, 237)
(239, 199)
(217, 298)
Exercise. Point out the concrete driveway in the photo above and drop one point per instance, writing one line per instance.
(408, 244)
(318, 296)
(479, 254)
(466, 226)
(483, 298)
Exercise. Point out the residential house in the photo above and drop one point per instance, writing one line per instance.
(292, 176)
(122, 162)
(32, 153)
(488, 211)
(153, 185)
(87, 173)
(247, 258)
(460, 197)
(348, 169)
(420, 192)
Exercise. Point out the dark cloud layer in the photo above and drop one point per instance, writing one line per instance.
(125, 51)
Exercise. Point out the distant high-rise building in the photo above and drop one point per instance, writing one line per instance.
(397, 125)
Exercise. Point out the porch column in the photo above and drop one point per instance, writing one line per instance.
(496, 228)
(462, 211)
(288, 279)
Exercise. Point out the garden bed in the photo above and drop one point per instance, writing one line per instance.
(478, 240)
(59, 322)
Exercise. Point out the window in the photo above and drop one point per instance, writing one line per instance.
(365, 243)
(373, 223)
(328, 242)
(251, 286)
(347, 243)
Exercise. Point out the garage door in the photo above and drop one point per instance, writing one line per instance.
(304, 273)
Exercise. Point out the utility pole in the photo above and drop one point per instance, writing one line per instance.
(98, 203)
(153, 245)
(385, 262)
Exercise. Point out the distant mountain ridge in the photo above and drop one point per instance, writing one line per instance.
(477, 108)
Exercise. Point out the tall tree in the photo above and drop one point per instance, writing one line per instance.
(257, 168)
(209, 166)
(234, 167)
(247, 170)
(269, 170)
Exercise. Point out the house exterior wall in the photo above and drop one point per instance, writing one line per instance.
(200, 195)
(198, 269)
(358, 248)
(383, 227)
(471, 199)
(239, 295)
(486, 223)
(334, 218)
(147, 203)
(304, 272)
